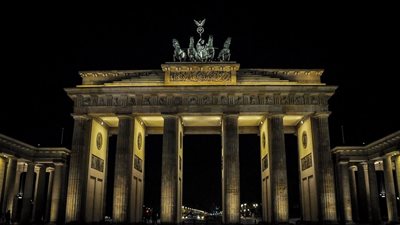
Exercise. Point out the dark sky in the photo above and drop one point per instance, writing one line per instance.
(43, 50)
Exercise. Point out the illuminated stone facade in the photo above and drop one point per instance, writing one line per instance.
(360, 199)
(32, 181)
(200, 98)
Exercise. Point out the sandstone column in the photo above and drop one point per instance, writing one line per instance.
(353, 193)
(279, 189)
(78, 172)
(170, 171)
(57, 197)
(9, 184)
(50, 170)
(390, 190)
(122, 173)
(39, 196)
(374, 197)
(3, 173)
(324, 169)
(16, 191)
(345, 198)
(27, 198)
(364, 195)
(397, 162)
(231, 170)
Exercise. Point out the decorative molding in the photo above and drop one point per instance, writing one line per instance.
(97, 163)
(164, 99)
(299, 75)
(200, 76)
(200, 73)
(306, 162)
(137, 164)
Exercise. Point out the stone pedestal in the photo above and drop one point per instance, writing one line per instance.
(324, 169)
(170, 191)
(279, 189)
(353, 193)
(374, 194)
(231, 170)
(345, 198)
(78, 172)
(122, 177)
(390, 190)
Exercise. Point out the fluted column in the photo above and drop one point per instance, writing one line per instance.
(50, 170)
(9, 184)
(324, 169)
(122, 175)
(39, 196)
(27, 198)
(3, 172)
(374, 196)
(390, 190)
(353, 193)
(345, 198)
(231, 176)
(279, 189)
(397, 162)
(364, 200)
(57, 192)
(78, 172)
(13, 205)
(169, 169)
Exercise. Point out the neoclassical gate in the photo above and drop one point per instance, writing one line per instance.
(199, 98)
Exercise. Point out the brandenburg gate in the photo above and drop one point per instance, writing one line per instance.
(199, 98)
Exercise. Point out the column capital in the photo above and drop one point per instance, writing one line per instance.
(231, 115)
(80, 116)
(343, 162)
(125, 116)
(321, 114)
(49, 169)
(39, 165)
(275, 115)
(58, 163)
(169, 115)
(393, 154)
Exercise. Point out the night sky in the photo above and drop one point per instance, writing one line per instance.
(43, 50)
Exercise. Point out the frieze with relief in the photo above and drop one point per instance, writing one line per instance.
(201, 76)
(222, 99)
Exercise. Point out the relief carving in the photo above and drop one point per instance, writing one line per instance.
(162, 100)
(201, 76)
(133, 100)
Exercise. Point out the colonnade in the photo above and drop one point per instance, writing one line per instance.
(359, 193)
(32, 188)
(87, 183)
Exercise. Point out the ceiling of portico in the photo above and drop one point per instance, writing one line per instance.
(204, 121)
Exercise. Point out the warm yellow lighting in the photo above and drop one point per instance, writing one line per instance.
(249, 120)
(111, 121)
(292, 120)
(152, 121)
(201, 121)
